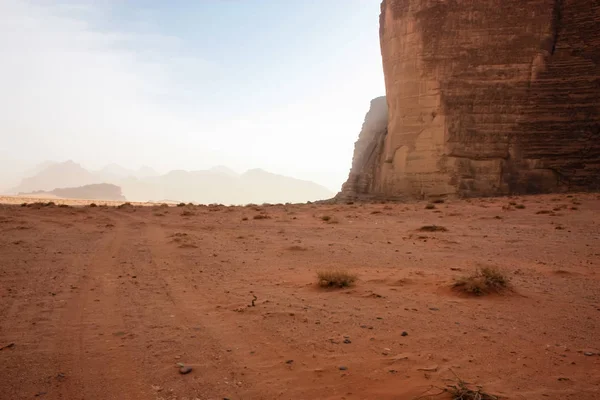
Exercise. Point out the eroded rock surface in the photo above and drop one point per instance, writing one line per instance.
(489, 97)
(367, 159)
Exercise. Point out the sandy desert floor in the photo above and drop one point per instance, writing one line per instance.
(103, 303)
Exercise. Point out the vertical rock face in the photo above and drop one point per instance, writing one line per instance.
(368, 150)
(490, 97)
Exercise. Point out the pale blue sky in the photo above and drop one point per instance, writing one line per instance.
(274, 84)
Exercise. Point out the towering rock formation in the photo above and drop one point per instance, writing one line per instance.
(488, 97)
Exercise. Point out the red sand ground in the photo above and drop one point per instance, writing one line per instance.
(102, 303)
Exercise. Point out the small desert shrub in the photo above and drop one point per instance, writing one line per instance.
(125, 205)
(438, 201)
(24, 204)
(433, 228)
(544, 212)
(484, 281)
(261, 216)
(64, 206)
(326, 218)
(335, 278)
(245, 219)
(512, 203)
(461, 391)
(49, 204)
(430, 206)
(376, 212)
(181, 205)
(187, 213)
(520, 206)
(93, 205)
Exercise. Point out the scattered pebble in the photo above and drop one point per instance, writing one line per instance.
(589, 354)
(185, 370)
(343, 368)
(289, 361)
(434, 309)
(8, 346)
(429, 369)
(347, 341)
(404, 333)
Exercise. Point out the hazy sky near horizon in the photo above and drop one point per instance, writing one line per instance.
(272, 84)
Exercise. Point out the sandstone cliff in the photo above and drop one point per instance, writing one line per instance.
(366, 162)
(489, 97)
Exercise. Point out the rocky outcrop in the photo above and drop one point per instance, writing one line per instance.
(366, 162)
(489, 97)
(101, 191)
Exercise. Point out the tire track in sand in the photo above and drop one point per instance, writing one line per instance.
(98, 364)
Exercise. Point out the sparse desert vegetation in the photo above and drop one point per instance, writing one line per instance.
(483, 281)
(335, 278)
(463, 391)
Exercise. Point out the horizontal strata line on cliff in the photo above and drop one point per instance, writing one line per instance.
(477, 158)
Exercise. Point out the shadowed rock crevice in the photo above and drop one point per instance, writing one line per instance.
(363, 180)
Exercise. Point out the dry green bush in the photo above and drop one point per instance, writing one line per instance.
(483, 281)
(335, 278)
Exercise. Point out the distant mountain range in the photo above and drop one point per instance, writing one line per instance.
(216, 185)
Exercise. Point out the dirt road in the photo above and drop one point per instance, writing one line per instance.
(103, 303)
